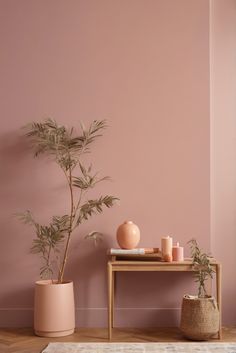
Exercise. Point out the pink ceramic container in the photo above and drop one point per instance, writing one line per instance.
(128, 235)
(54, 309)
(178, 253)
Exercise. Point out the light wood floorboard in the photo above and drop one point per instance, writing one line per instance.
(23, 340)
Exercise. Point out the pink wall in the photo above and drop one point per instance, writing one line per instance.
(144, 65)
(223, 146)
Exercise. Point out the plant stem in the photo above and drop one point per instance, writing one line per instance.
(62, 269)
(76, 208)
(49, 252)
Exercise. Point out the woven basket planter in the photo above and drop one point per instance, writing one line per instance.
(199, 318)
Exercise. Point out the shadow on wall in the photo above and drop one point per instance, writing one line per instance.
(87, 267)
(18, 173)
(14, 176)
(20, 269)
(24, 294)
(18, 314)
(13, 154)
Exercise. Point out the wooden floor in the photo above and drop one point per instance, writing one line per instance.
(24, 341)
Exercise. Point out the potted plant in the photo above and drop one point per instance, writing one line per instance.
(200, 314)
(54, 313)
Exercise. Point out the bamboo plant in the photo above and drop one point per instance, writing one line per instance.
(202, 266)
(67, 149)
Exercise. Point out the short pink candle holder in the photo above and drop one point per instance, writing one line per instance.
(178, 253)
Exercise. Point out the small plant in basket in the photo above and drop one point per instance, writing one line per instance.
(202, 267)
(199, 314)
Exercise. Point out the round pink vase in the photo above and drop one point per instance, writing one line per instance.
(128, 235)
(54, 309)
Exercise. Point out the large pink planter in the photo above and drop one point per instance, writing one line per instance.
(54, 309)
(128, 235)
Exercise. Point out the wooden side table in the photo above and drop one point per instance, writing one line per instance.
(118, 265)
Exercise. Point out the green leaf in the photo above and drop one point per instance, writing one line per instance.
(83, 170)
(201, 264)
(94, 236)
(46, 272)
(81, 183)
(25, 217)
(95, 206)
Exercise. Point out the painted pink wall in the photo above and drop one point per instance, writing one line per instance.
(223, 146)
(144, 65)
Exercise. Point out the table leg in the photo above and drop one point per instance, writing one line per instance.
(110, 303)
(218, 293)
(113, 297)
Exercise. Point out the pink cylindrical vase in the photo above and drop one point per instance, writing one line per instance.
(128, 235)
(178, 253)
(54, 309)
(166, 246)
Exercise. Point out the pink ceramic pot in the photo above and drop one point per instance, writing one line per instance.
(128, 235)
(54, 309)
